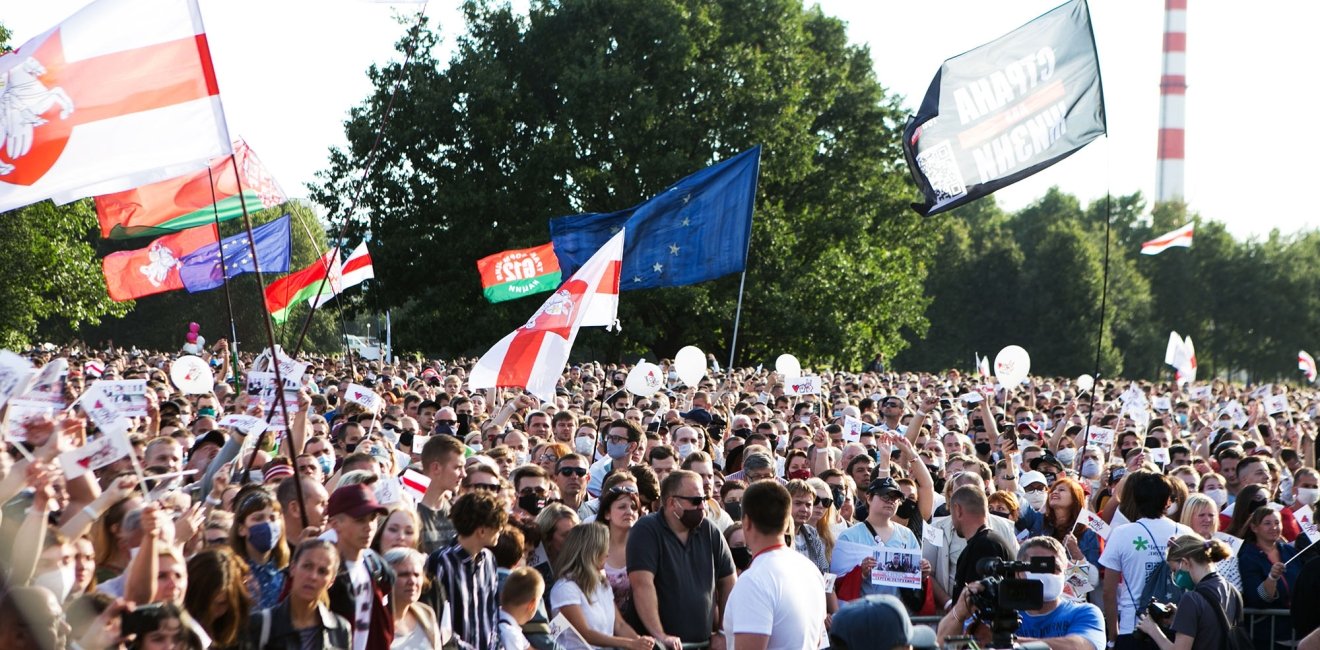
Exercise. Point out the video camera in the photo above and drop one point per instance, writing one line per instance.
(1003, 594)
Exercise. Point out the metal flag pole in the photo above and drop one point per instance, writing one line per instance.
(742, 283)
(275, 361)
(233, 328)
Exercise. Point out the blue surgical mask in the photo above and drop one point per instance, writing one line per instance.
(616, 451)
(327, 464)
(263, 536)
(1182, 419)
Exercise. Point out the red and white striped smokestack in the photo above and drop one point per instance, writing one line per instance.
(1173, 93)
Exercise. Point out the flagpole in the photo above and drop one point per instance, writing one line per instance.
(275, 361)
(742, 283)
(233, 328)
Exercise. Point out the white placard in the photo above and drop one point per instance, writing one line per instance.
(48, 385)
(1201, 393)
(15, 373)
(1162, 404)
(1275, 404)
(245, 424)
(1100, 436)
(1234, 543)
(100, 408)
(23, 412)
(896, 567)
(1094, 522)
(1306, 520)
(262, 386)
(1262, 391)
(971, 398)
(852, 429)
(932, 535)
(129, 396)
(829, 582)
(809, 385)
(419, 441)
(368, 398)
(1159, 455)
(389, 491)
(565, 636)
(94, 455)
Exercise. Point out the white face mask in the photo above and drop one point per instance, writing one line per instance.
(685, 449)
(58, 581)
(1219, 496)
(584, 445)
(1091, 468)
(1171, 510)
(1308, 496)
(1051, 584)
(1037, 500)
(1067, 456)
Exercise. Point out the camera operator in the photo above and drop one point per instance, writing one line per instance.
(1058, 623)
(1196, 621)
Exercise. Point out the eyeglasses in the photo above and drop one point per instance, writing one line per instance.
(696, 500)
(822, 502)
(449, 422)
(529, 491)
(572, 471)
(624, 489)
(891, 497)
(618, 440)
(489, 487)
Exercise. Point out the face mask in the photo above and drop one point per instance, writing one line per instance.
(476, 446)
(938, 485)
(531, 503)
(692, 518)
(263, 536)
(906, 509)
(584, 445)
(802, 474)
(685, 449)
(838, 496)
(982, 449)
(444, 430)
(742, 433)
(1051, 584)
(1308, 496)
(327, 464)
(1036, 499)
(1219, 496)
(617, 451)
(1173, 508)
(206, 411)
(1182, 419)
(1067, 456)
(742, 557)
(734, 508)
(522, 458)
(1183, 579)
(1090, 468)
(58, 581)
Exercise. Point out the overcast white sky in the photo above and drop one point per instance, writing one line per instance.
(289, 70)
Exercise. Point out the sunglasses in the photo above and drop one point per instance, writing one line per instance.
(449, 422)
(489, 487)
(529, 491)
(624, 489)
(822, 502)
(573, 471)
(695, 501)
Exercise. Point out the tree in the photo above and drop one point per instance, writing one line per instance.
(588, 105)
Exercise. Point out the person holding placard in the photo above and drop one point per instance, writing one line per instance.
(879, 532)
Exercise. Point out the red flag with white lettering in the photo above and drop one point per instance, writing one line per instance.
(117, 92)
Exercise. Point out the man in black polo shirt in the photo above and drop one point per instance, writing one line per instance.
(679, 553)
(967, 510)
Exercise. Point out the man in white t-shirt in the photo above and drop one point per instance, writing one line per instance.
(1132, 553)
(777, 603)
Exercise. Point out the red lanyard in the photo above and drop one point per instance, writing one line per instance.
(766, 550)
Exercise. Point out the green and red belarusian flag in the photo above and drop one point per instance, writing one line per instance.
(283, 294)
(518, 273)
(185, 202)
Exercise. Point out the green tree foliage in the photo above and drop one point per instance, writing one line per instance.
(587, 105)
(161, 321)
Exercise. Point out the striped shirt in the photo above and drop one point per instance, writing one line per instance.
(471, 586)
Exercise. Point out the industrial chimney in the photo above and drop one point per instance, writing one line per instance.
(1173, 92)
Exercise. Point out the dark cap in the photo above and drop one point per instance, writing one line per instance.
(700, 416)
(212, 437)
(1046, 458)
(878, 621)
(356, 501)
(883, 486)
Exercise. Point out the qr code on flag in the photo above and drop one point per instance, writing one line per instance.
(941, 169)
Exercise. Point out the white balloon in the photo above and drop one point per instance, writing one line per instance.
(788, 366)
(1012, 365)
(690, 363)
(192, 375)
(645, 379)
(1085, 382)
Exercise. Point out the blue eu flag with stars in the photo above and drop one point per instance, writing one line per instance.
(697, 229)
(201, 269)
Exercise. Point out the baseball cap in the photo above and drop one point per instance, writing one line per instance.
(883, 486)
(1032, 477)
(700, 416)
(212, 437)
(354, 500)
(1046, 459)
(878, 621)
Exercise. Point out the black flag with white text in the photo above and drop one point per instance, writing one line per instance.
(1006, 110)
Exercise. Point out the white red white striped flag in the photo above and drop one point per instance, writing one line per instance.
(1181, 237)
(1181, 354)
(1306, 363)
(415, 484)
(353, 271)
(533, 356)
(116, 93)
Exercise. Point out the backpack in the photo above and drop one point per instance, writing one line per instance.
(1235, 635)
(1159, 585)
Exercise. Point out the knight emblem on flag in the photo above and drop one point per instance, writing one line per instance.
(24, 99)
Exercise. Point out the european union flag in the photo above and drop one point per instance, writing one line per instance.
(698, 229)
(201, 270)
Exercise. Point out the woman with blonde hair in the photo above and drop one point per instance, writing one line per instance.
(401, 528)
(1209, 598)
(823, 514)
(583, 595)
(1201, 514)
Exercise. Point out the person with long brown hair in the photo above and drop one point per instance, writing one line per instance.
(113, 537)
(303, 621)
(217, 595)
(258, 538)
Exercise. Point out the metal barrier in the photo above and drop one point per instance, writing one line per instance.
(1274, 623)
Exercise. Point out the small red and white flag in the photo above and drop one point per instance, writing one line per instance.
(115, 95)
(353, 271)
(982, 365)
(94, 368)
(1181, 354)
(533, 356)
(1181, 237)
(1306, 363)
(415, 484)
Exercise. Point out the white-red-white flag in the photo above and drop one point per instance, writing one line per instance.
(534, 355)
(1182, 237)
(1306, 363)
(351, 272)
(116, 93)
(1181, 354)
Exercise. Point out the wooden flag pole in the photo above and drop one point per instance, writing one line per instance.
(233, 328)
(275, 361)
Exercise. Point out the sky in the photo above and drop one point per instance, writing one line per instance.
(290, 70)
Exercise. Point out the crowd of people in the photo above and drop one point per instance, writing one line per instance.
(728, 514)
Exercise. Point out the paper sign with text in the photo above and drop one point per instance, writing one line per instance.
(129, 396)
(971, 398)
(1159, 455)
(94, 455)
(1234, 543)
(809, 385)
(1162, 404)
(262, 386)
(22, 413)
(1275, 404)
(852, 429)
(1094, 522)
(245, 424)
(1306, 521)
(368, 398)
(897, 568)
(1101, 436)
(932, 535)
(1201, 393)
(15, 373)
(389, 491)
